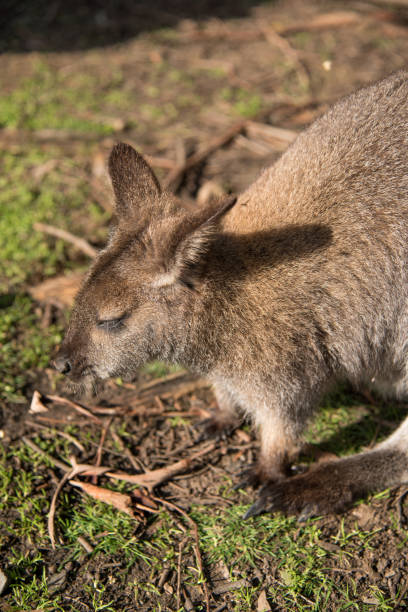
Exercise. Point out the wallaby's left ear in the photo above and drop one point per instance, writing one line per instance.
(133, 180)
(189, 242)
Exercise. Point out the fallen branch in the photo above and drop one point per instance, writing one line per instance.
(186, 389)
(336, 19)
(80, 243)
(162, 381)
(174, 177)
(275, 39)
(77, 468)
(63, 400)
(280, 138)
(326, 21)
(153, 478)
(160, 162)
(391, 3)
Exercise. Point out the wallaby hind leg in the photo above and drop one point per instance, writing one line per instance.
(331, 486)
(225, 418)
(280, 445)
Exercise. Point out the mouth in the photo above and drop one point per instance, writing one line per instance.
(85, 384)
(88, 381)
(86, 387)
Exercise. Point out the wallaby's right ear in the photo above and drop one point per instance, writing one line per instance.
(133, 180)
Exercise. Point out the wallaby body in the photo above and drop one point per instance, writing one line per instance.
(275, 297)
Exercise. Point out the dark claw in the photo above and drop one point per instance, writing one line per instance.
(249, 477)
(308, 512)
(242, 484)
(256, 509)
(268, 501)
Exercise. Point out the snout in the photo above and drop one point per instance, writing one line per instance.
(74, 366)
(62, 364)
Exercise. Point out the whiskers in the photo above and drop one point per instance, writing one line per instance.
(87, 387)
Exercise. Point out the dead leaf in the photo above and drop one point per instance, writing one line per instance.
(263, 605)
(364, 514)
(243, 436)
(37, 406)
(77, 468)
(153, 478)
(120, 501)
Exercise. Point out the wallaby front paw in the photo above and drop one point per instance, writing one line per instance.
(319, 491)
(255, 475)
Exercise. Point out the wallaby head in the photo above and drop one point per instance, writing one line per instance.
(132, 300)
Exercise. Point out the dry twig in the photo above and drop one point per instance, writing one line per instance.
(136, 463)
(286, 48)
(172, 180)
(179, 574)
(80, 243)
(85, 544)
(58, 291)
(391, 3)
(335, 19)
(36, 405)
(197, 544)
(156, 382)
(77, 468)
(279, 138)
(100, 446)
(57, 432)
(62, 466)
(63, 400)
(153, 478)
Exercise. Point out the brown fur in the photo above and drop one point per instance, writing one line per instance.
(299, 284)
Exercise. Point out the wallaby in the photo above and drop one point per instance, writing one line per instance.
(274, 296)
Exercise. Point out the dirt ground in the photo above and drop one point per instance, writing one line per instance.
(236, 80)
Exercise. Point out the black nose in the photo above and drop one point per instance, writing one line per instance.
(62, 364)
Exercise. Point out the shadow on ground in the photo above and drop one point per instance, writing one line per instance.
(59, 26)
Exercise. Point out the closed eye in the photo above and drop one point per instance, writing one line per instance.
(111, 324)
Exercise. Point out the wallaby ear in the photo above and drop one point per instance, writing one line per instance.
(191, 240)
(133, 180)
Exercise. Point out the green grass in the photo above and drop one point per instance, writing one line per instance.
(157, 369)
(28, 583)
(24, 346)
(243, 102)
(43, 101)
(302, 578)
(241, 544)
(24, 252)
